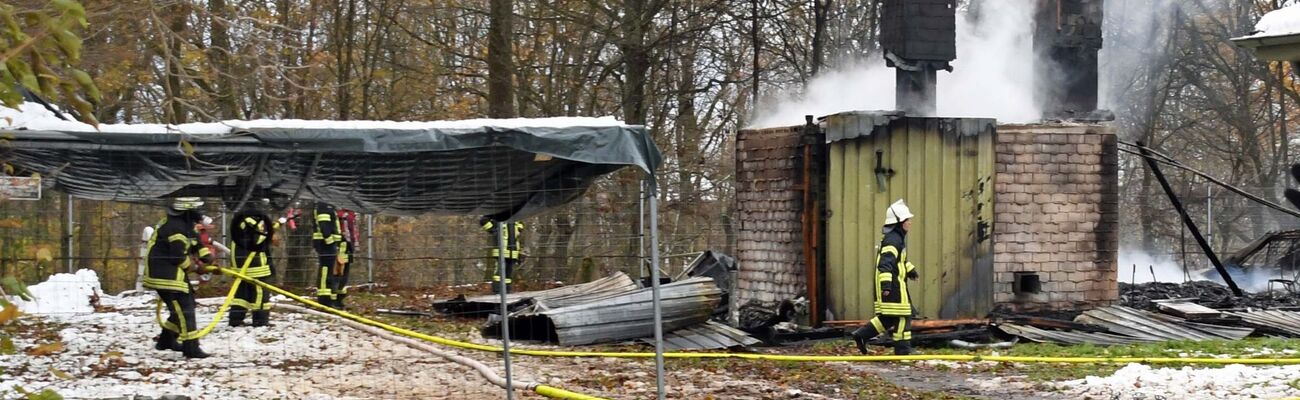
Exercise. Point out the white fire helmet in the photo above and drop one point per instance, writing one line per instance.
(897, 212)
(186, 203)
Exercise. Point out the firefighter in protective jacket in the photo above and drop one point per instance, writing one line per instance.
(251, 239)
(331, 250)
(174, 250)
(347, 223)
(511, 238)
(893, 302)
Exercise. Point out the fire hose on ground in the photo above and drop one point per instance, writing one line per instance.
(554, 392)
(383, 330)
(482, 369)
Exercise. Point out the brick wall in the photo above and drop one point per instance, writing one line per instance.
(1056, 214)
(769, 242)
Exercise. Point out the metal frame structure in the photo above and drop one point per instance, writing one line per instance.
(632, 150)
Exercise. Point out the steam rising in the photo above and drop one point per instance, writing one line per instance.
(1136, 266)
(992, 76)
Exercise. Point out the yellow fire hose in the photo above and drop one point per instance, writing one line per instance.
(221, 311)
(775, 357)
(548, 391)
(561, 393)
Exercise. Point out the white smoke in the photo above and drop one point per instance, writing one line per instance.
(1136, 33)
(1136, 266)
(992, 76)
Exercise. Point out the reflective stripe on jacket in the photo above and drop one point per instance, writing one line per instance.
(174, 240)
(892, 268)
(509, 236)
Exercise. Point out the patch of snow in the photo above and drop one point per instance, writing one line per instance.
(1236, 381)
(959, 364)
(111, 355)
(35, 117)
(1279, 22)
(62, 294)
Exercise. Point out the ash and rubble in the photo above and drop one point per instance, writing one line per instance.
(1142, 296)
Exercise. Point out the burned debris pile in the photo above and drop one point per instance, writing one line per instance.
(1145, 296)
(617, 309)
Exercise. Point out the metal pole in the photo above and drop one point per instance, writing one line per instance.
(370, 248)
(1209, 214)
(68, 229)
(505, 316)
(1187, 219)
(654, 285)
(640, 233)
(225, 223)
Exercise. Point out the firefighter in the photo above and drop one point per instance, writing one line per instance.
(331, 250)
(893, 302)
(174, 249)
(511, 239)
(251, 238)
(347, 220)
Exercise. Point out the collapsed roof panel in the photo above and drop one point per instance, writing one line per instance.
(539, 300)
(707, 336)
(482, 167)
(614, 316)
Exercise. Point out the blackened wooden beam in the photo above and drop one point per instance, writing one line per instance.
(1187, 219)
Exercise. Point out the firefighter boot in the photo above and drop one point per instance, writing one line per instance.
(860, 337)
(338, 304)
(191, 349)
(261, 318)
(237, 317)
(167, 341)
(902, 347)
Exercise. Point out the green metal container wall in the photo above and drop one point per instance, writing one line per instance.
(943, 168)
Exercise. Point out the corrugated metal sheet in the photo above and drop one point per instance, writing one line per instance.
(1155, 327)
(629, 315)
(1067, 337)
(943, 168)
(706, 336)
(540, 300)
(1127, 325)
(1287, 322)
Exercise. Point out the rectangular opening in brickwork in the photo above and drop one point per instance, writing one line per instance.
(1027, 283)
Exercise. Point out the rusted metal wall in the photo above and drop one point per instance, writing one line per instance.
(943, 168)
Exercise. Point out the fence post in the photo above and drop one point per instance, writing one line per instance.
(69, 236)
(370, 248)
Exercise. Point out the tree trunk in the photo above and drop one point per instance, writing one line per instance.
(500, 59)
(180, 13)
(219, 52)
(757, 45)
(344, 41)
(820, 11)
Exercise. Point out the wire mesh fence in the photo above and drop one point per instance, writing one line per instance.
(595, 236)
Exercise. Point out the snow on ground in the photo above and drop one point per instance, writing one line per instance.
(36, 117)
(111, 355)
(62, 294)
(1136, 381)
(1282, 21)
